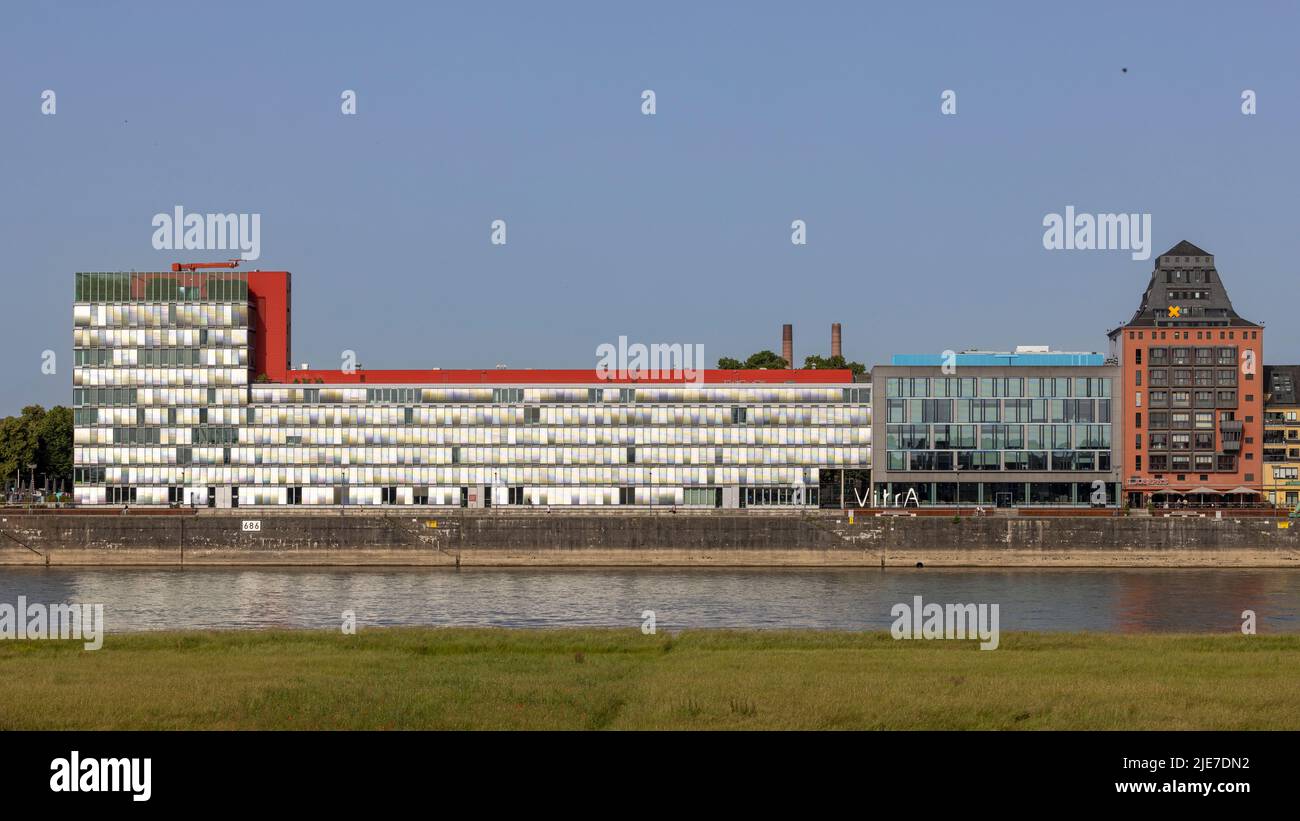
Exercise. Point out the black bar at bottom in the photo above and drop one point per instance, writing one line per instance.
(325, 769)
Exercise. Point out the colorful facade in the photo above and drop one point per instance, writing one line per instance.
(183, 395)
(1282, 436)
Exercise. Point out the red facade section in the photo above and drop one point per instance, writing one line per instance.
(574, 376)
(1247, 411)
(271, 295)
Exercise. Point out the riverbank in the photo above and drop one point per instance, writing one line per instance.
(407, 678)
(630, 539)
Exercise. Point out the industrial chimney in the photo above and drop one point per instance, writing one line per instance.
(835, 339)
(787, 345)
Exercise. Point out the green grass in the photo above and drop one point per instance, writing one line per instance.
(619, 679)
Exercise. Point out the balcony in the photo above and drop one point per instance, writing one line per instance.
(1230, 433)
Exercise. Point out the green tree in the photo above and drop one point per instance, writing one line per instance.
(762, 359)
(12, 440)
(835, 363)
(55, 450)
(39, 437)
(21, 443)
(766, 359)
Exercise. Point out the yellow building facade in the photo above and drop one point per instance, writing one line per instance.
(1282, 436)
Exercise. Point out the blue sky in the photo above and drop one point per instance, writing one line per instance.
(924, 231)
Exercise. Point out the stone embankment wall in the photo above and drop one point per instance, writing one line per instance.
(660, 538)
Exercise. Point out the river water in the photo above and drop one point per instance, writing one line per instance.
(1110, 600)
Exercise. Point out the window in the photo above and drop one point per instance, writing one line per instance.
(921, 460)
(978, 410)
(936, 410)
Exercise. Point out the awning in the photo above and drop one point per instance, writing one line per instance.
(1243, 490)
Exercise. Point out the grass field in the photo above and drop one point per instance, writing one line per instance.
(617, 679)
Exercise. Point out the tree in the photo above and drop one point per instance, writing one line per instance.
(12, 440)
(39, 437)
(833, 362)
(762, 359)
(55, 451)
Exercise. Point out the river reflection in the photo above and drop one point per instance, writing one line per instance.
(1111, 600)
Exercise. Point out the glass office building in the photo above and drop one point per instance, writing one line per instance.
(183, 394)
(1024, 428)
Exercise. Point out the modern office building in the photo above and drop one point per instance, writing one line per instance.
(184, 394)
(1282, 435)
(1030, 427)
(1190, 391)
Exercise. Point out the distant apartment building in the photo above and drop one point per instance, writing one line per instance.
(184, 395)
(1192, 392)
(1282, 435)
(1031, 427)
